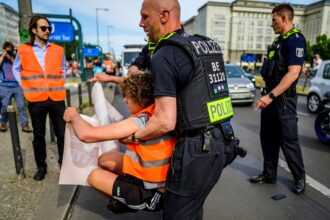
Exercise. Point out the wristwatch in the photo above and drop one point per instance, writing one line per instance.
(134, 139)
(271, 95)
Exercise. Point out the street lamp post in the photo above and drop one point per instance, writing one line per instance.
(108, 27)
(97, 23)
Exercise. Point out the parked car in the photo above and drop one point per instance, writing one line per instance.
(320, 84)
(241, 89)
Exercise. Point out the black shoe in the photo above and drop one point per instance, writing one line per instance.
(118, 207)
(299, 185)
(40, 174)
(262, 178)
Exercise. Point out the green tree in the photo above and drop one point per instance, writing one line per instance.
(309, 52)
(322, 47)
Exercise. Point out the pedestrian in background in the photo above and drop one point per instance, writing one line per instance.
(278, 126)
(9, 88)
(185, 100)
(316, 63)
(40, 69)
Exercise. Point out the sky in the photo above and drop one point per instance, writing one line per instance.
(121, 20)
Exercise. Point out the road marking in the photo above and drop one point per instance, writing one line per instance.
(309, 180)
(304, 114)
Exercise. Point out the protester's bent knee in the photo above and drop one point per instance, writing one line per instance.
(93, 176)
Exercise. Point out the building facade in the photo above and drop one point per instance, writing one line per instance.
(9, 20)
(244, 27)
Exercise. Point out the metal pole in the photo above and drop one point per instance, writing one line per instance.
(89, 87)
(80, 97)
(97, 27)
(25, 14)
(15, 142)
(68, 97)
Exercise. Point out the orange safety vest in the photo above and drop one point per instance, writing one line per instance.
(109, 67)
(149, 160)
(38, 84)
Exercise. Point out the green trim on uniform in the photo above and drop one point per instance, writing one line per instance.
(162, 39)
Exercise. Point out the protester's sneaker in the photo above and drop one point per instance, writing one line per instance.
(3, 127)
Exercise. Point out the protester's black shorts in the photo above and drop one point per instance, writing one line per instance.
(130, 191)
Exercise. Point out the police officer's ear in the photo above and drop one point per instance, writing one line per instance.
(164, 16)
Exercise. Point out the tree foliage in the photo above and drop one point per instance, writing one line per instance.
(322, 47)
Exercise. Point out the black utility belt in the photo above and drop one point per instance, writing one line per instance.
(199, 131)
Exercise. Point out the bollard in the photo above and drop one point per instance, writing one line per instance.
(15, 142)
(80, 98)
(89, 87)
(68, 97)
(51, 130)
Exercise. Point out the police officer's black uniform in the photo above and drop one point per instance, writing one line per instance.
(191, 68)
(279, 119)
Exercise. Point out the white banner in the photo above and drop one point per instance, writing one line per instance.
(80, 158)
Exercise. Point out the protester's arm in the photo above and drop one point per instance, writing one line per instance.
(289, 78)
(163, 120)
(17, 68)
(88, 133)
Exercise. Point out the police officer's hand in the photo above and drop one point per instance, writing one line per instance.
(101, 77)
(263, 102)
(69, 114)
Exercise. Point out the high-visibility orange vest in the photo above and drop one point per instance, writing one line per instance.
(149, 160)
(39, 84)
(109, 67)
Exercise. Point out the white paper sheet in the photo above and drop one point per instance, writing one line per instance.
(79, 158)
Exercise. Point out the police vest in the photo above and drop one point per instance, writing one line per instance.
(39, 84)
(205, 100)
(149, 160)
(274, 68)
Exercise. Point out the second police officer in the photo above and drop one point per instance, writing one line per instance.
(280, 72)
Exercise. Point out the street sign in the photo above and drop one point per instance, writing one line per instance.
(91, 52)
(248, 58)
(62, 32)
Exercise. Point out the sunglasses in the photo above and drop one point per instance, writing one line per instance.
(44, 28)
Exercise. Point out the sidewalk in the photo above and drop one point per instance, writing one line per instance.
(27, 198)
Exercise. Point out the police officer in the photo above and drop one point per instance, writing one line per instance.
(278, 105)
(191, 96)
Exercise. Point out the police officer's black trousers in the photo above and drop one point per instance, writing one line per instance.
(279, 130)
(192, 175)
(38, 112)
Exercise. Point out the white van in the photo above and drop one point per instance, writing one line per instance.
(129, 54)
(320, 84)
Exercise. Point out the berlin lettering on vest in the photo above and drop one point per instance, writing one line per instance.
(206, 47)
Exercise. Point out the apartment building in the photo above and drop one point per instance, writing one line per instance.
(244, 27)
(8, 24)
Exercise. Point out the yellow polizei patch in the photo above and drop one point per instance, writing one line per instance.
(220, 109)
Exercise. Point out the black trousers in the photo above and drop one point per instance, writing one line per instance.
(38, 112)
(193, 174)
(279, 129)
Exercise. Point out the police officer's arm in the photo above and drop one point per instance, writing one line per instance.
(102, 77)
(89, 133)
(163, 120)
(289, 78)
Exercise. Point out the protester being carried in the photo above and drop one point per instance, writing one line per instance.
(136, 177)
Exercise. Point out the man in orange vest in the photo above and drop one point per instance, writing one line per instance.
(109, 65)
(40, 69)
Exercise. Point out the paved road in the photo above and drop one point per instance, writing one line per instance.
(234, 197)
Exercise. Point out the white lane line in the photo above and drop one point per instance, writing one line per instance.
(304, 114)
(309, 180)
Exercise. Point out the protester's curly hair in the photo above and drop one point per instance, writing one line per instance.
(139, 87)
